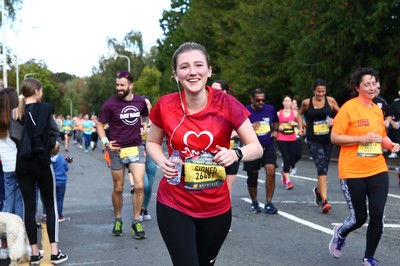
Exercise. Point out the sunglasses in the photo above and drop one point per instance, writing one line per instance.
(260, 100)
(124, 74)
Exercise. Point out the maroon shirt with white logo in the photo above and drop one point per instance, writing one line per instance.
(124, 119)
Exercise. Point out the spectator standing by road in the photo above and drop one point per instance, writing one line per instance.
(194, 216)
(60, 168)
(319, 111)
(124, 113)
(8, 153)
(360, 131)
(265, 123)
(34, 168)
(11, 193)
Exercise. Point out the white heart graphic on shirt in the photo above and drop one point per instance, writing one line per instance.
(189, 133)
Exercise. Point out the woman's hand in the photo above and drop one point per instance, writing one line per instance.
(302, 132)
(395, 148)
(168, 168)
(371, 137)
(225, 157)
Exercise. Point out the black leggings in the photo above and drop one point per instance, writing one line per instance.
(356, 191)
(192, 241)
(289, 152)
(33, 172)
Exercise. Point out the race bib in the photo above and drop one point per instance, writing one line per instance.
(321, 127)
(264, 128)
(200, 174)
(234, 143)
(144, 136)
(129, 154)
(287, 128)
(371, 149)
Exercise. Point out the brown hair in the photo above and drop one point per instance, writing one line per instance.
(28, 88)
(186, 47)
(4, 114)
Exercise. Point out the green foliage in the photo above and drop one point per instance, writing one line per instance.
(282, 46)
(149, 83)
(39, 71)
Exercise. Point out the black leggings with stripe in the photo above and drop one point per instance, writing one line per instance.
(356, 191)
(32, 172)
(192, 241)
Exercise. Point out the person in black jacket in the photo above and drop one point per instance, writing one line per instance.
(34, 167)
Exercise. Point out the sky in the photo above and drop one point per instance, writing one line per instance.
(71, 35)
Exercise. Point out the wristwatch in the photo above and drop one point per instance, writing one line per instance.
(239, 153)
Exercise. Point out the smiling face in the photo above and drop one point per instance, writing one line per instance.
(192, 70)
(123, 87)
(320, 92)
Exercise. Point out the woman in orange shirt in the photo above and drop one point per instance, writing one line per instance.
(360, 131)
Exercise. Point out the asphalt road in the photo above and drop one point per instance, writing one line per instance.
(298, 235)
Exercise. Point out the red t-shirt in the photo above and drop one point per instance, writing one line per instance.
(191, 135)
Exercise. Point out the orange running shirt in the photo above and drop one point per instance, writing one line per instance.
(354, 119)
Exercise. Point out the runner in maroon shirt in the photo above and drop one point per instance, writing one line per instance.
(124, 113)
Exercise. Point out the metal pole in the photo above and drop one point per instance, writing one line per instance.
(70, 106)
(3, 10)
(28, 75)
(129, 61)
(17, 75)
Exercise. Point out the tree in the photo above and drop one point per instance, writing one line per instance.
(282, 46)
(149, 83)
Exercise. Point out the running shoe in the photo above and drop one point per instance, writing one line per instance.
(132, 190)
(255, 208)
(369, 262)
(146, 216)
(326, 207)
(61, 219)
(118, 226)
(289, 185)
(138, 231)
(317, 197)
(293, 171)
(337, 243)
(270, 208)
(59, 258)
(284, 181)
